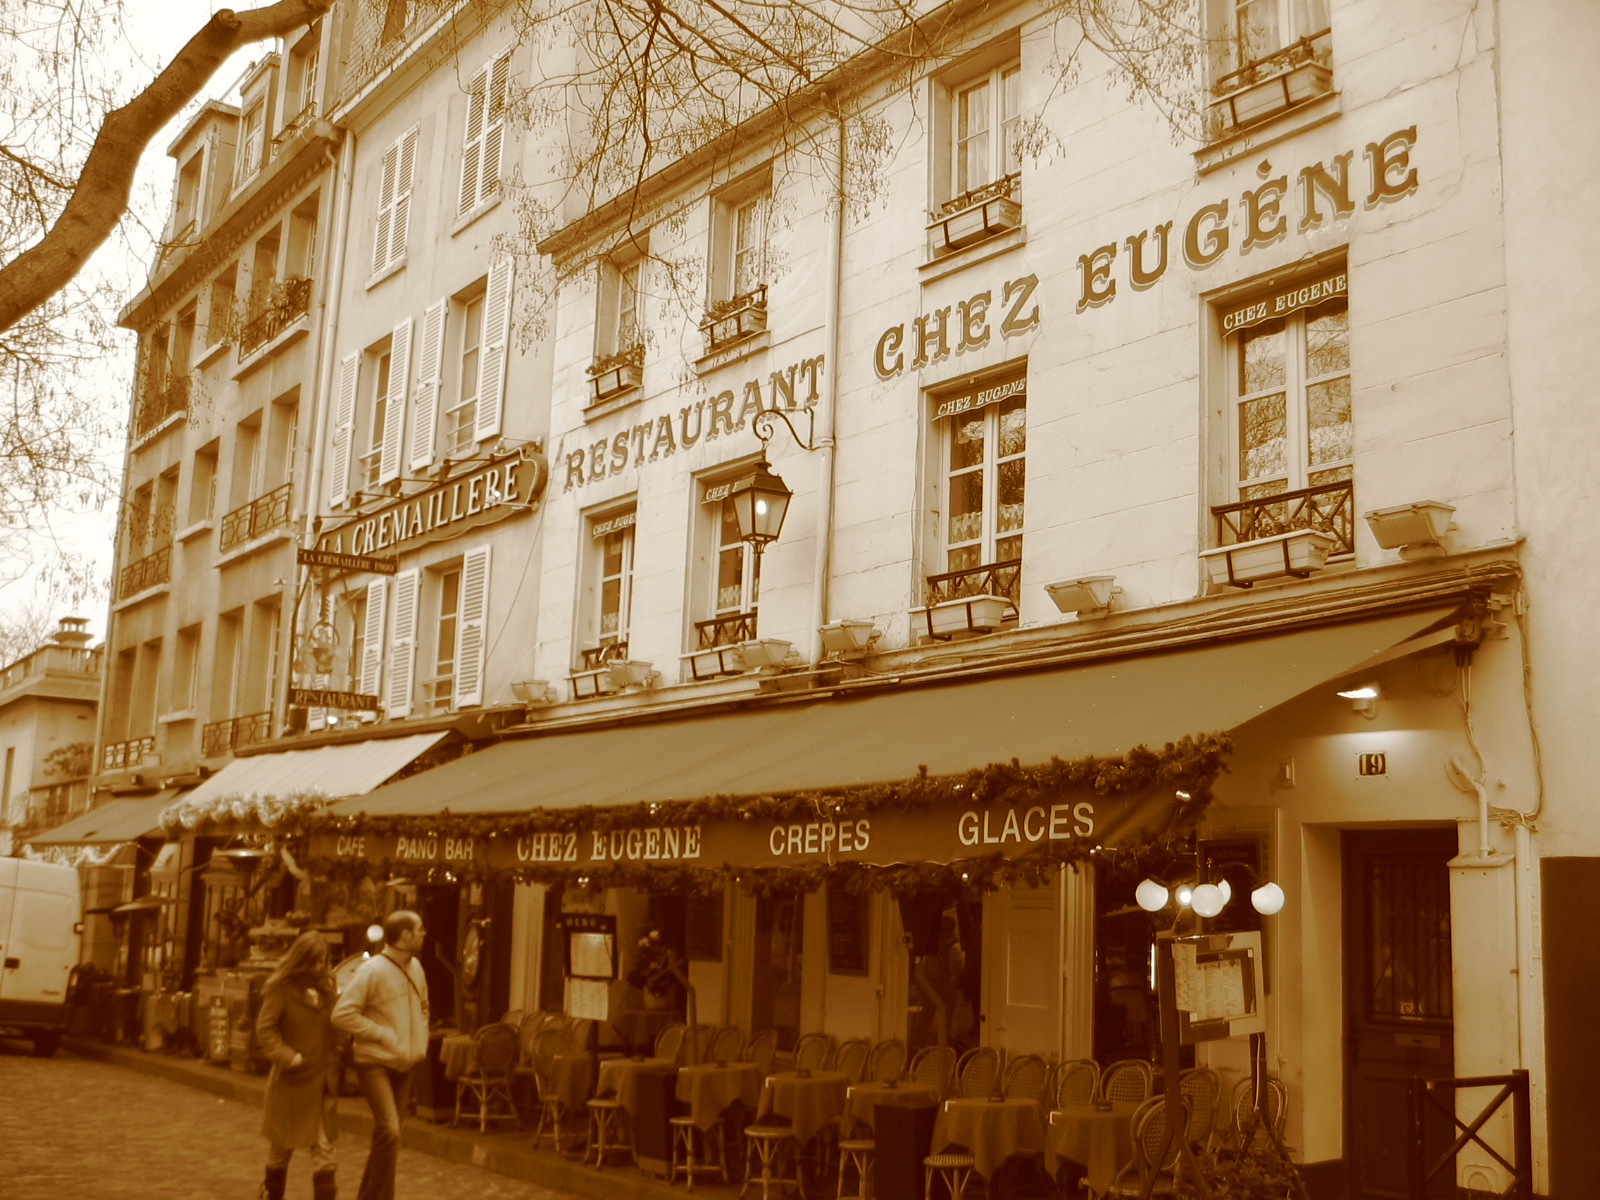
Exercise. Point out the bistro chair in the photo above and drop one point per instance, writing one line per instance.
(856, 1154)
(935, 1066)
(1149, 1132)
(762, 1049)
(608, 1131)
(1202, 1091)
(552, 1041)
(771, 1159)
(669, 1042)
(1025, 1078)
(1128, 1080)
(1248, 1119)
(887, 1062)
(686, 1138)
(703, 1036)
(977, 1073)
(851, 1058)
(513, 1018)
(1076, 1083)
(811, 1052)
(494, 1054)
(727, 1045)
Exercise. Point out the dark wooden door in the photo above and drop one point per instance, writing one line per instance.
(1398, 1004)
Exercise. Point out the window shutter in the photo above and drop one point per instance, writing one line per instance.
(380, 242)
(402, 644)
(429, 362)
(402, 196)
(472, 144)
(471, 627)
(344, 425)
(317, 717)
(372, 638)
(492, 367)
(495, 126)
(394, 409)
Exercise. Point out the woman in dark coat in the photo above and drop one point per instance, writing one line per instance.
(302, 1091)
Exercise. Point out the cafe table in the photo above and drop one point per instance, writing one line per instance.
(709, 1088)
(992, 1130)
(862, 1100)
(810, 1099)
(455, 1055)
(1098, 1140)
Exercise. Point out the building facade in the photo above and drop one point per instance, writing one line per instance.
(47, 715)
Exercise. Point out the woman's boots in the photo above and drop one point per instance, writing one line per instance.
(272, 1185)
(323, 1186)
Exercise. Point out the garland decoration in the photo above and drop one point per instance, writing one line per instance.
(241, 812)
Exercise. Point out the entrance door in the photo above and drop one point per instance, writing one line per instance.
(1398, 1006)
(1024, 1009)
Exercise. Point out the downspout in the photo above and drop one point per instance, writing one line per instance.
(830, 399)
(330, 328)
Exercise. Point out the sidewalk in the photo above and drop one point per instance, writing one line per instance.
(506, 1151)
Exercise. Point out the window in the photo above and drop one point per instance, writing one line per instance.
(246, 480)
(203, 484)
(283, 434)
(740, 227)
(985, 127)
(304, 66)
(371, 459)
(617, 327)
(140, 511)
(440, 687)
(457, 609)
(485, 135)
(189, 195)
(1259, 29)
(394, 203)
(984, 440)
(1292, 438)
(252, 141)
(396, 15)
(219, 307)
(460, 419)
(608, 591)
(738, 581)
(186, 669)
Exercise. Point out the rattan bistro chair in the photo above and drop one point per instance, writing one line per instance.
(762, 1049)
(1248, 1120)
(494, 1051)
(1128, 1080)
(1149, 1134)
(727, 1045)
(935, 1066)
(812, 1052)
(851, 1058)
(1076, 1083)
(552, 1041)
(1025, 1078)
(888, 1061)
(1202, 1089)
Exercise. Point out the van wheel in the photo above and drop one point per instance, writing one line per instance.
(44, 1044)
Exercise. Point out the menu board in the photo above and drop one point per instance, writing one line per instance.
(848, 930)
(588, 998)
(589, 946)
(702, 934)
(1217, 986)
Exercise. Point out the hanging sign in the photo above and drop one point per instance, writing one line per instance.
(372, 564)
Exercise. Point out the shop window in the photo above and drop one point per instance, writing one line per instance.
(1290, 431)
(485, 135)
(945, 970)
(775, 997)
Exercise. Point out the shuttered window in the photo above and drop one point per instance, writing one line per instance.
(394, 410)
(344, 426)
(471, 627)
(394, 202)
(485, 135)
(429, 363)
(492, 361)
(402, 644)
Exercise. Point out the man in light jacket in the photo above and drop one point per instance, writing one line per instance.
(385, 1011)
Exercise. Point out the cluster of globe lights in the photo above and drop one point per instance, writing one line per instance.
(1206, 899)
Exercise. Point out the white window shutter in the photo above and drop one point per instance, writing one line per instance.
(402, 196)
(380, 242)
(494, 127)
(402, 644)
(429, 363)
(372, 637)
(344, 427)
(394, 409)
(472, 144)
(492, 367)
(316, 717)
(471, 627)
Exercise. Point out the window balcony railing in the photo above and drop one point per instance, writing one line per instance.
(118, 756)
(285, 304)
(221, 737)
(727, 630)
(150, 571)
(1329, 507)
(159, 404)
(1003, 578)
(261, 516)
(294, 125)
(595, 657)
(733, 320)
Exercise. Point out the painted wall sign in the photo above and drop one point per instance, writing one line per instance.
(478, 497)
(958, 328)
(348, 562)
(794, 386)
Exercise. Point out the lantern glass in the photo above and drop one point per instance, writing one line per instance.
(760, 502)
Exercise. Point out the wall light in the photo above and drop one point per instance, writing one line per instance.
(1090, 596)
(1206, 899)
(847, 637)
(1417, 529)
(1364, 699)
(534, 691)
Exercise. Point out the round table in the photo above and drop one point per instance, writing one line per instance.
(810, 1101)
(621, 1075)
(863, 1098)
(992, 1130)
(455, 1054)
(709, 1088)
(1098, 1140)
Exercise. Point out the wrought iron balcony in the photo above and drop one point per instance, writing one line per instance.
(221, 737)
(1001, 578)
(1329, 507)
(261, 516)
(285, 304)
(117, 756)
(150, 571)
(159, 404)
(727, 630)
(595, 657)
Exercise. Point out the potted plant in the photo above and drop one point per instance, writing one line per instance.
(975, 215)
(735, 318)
(650, 970)
(612, 374)
(1259, 1172)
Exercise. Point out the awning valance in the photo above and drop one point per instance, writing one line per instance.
(120, 820)
(350, 769)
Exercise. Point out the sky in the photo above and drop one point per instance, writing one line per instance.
(152, 33)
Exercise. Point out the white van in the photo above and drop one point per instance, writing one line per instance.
(40, 928)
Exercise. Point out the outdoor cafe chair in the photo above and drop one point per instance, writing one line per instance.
(811, 1052)
(887, 1061)
(1025, 1077)
(1076, 1083)
(494, 1054)
(935, 1066)
(762, 1049)
(1202, 1088)
(1128, 1080)
(1149, 1135)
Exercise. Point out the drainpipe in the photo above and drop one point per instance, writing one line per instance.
(330, 328)
(830, 398)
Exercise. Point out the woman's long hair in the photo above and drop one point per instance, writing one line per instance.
(305, 965)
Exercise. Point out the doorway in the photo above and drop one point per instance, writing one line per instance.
(1398, 997)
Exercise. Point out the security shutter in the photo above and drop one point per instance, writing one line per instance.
(492, 367)
(429, 365)
(394, 410)
(470, 627)
(402, 644)
(372, 637)
(344, 424)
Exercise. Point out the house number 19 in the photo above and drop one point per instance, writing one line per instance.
(1372, 764)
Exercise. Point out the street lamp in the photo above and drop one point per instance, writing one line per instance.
(761, 499)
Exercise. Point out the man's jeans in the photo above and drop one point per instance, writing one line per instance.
(386, 1092)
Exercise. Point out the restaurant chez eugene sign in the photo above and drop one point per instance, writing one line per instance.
(878, 838)
(492, 492)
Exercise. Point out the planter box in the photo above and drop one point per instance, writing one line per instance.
(977, 221)
(1299, 553)
(1275, 94)
(741, 323)
(588, 684)
(630, 673)
(615, 380)
(719, 660)
(847, 637)
(765, 652)
(969, 614)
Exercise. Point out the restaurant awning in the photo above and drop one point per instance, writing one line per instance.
(948, 727)
(349, 769)
(120, 820)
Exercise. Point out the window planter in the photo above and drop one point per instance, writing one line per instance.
(976, 215)
(714, 661)
(847, 637)
(966, 614)
(631, 673)
(733, 320)
(765, 652)
(614, 381)
(1298, 553)
(588, 684)
(1268, 97)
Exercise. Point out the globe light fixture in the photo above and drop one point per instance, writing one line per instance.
(1150, 896)
(1267, 899)
(1208, 900)
(1183, 895)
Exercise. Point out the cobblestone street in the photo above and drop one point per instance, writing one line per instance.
(74, 1128)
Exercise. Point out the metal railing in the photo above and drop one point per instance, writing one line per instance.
(1006, 185)
(158, 405)
(1426, 1096)
(1313, 47)
(285, 304)
(727, 630)
(1003, 578)
(1329, 507)
(114, 756)
(150, 571)
(219, 737)
(595, 657)
(261, 516)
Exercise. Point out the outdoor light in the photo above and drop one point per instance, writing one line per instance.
(1150, 896)
(374, 933)
(1417, 530)
(1088, 597)
(1208, 900)
(1267, 899)
(1364, 699)
(1183, 895)
(760, 502)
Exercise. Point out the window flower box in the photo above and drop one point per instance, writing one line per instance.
(631, 673)
(735, 319)
(976, 215)
(586, 685)
(712, 661)
(1263, 89)
(965, 614)
(1298, 553)
(612, 374)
